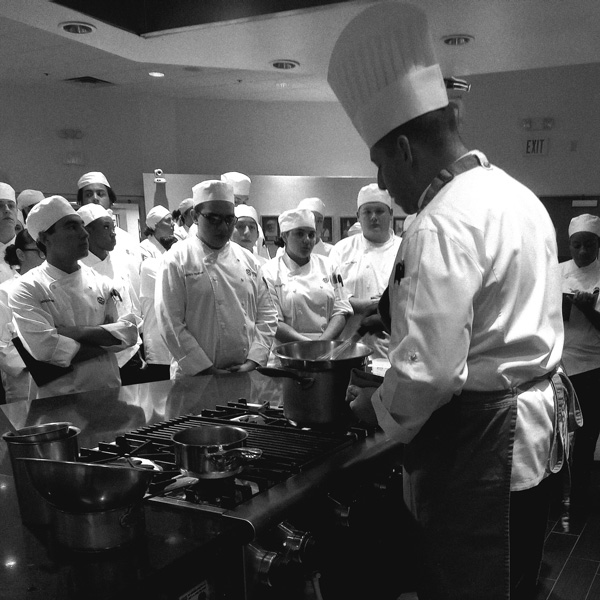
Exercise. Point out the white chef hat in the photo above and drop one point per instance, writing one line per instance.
(243, 210)
(91, 212)
(373, 193)
(92, 177)
(29, 198)
(156, 214)
(7, 192)
(47, 212)
(296, 217)
(589, 223)
(185, 205)
(383, 69)
(211, 190)
(239, 181)
(314, 204)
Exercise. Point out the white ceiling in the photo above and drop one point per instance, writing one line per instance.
(231, 60)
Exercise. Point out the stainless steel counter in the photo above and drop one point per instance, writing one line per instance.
(176, 541)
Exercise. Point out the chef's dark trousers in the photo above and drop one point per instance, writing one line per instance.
(587, 386)
(528, 521)
(131, 372)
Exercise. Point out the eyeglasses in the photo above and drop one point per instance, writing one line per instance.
(216, 220)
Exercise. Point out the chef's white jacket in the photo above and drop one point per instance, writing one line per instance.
(127, 249)
(151, 248)
(365, 268)
(476, 305)
(212, 307)
(129, 302)
(155, 350)
(6, 271)
(307, 297)
(46, 298)
(582, 340)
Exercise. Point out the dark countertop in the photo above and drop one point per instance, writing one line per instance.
(176, 541)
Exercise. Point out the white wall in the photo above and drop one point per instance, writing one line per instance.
(127, 135)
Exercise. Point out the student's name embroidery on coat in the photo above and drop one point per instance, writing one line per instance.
(46, 300)
(101, 300)
(399, 272)
(193, 274)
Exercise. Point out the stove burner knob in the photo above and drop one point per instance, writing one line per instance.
(273, 569)
(298, 545)
(341, 512)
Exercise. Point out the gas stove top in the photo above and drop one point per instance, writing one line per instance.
(286, 450)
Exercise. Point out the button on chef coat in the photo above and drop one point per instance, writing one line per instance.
(582, 340)
(468, 311)
(46, 298)
(212, 308)
(365, 268)
(305, 296)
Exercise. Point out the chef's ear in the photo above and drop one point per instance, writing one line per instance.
(403, 148)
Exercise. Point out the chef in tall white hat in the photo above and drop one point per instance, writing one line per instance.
(8, 223)
(309, 295)
(159, 226)
(365, 262)
(581, 354)
(65, 313)
(474, 314)
(94, 188)
(213, 310)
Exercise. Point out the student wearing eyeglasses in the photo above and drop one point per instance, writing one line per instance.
(213, 310)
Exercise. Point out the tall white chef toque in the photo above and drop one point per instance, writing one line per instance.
(243, 210)
(28, 198)
(314, 204)
(212, 190)
(7, 192)
(47, 212)
(91, 212)
(295, 218)
(373, 193)
(92, 177)
(155, 215)
(587, 223)
(383, 69)
(239, 181)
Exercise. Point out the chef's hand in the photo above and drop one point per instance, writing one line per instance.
(249, 365)
(212, 371)
(359, 399)
(584, 301)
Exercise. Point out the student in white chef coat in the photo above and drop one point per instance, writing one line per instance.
(241, 192)
(8, 222)
(246, 232)
(22, 256)
(185, 218)
(93, 188)
(213, 310)
(159, 224)
(365, 261)
(66, 313)
(26, 200)
(305, 287)
(581, 354)
(102, 240)
(476, 326)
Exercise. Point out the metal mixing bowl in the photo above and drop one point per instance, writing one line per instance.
(47, 432)
(84, 487)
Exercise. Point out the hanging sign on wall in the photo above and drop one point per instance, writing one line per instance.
(536, 146)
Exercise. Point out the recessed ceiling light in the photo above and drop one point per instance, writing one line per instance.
(285, 64)
(156, 74)
(77, 27)
(457, 39)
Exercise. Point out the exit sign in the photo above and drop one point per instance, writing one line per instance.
(536, 146)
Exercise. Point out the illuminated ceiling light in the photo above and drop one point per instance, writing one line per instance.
(156, 74)
(457, 39)
(77, 27)
(285, 64)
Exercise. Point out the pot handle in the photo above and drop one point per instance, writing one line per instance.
(227, 457)
(274, 372)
